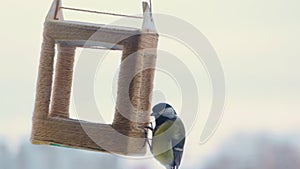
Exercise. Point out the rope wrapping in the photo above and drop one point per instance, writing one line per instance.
(44, 82)
(63, 82)
(126, 134)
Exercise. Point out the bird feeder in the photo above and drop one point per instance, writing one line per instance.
(51, 123)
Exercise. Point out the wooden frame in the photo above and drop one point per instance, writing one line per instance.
(51, 123)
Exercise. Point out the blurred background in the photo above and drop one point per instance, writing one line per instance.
(258, 46)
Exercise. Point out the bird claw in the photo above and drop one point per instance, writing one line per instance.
(146, 128)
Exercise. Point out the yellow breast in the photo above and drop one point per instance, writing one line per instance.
(162, 144)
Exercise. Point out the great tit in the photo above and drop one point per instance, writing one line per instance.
(168, 136)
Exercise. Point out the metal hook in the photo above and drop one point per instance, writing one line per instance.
(150, 3)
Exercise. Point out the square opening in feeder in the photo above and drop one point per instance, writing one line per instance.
(94, 88)
(51, 120)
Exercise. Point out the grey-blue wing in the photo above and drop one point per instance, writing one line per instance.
(178, 143)
(177, 153)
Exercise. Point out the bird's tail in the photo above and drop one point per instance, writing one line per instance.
(169, 167)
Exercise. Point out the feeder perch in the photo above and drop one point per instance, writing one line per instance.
(51, 123)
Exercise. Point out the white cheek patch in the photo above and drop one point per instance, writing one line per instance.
(169, 113)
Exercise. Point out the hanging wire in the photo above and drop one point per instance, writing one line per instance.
(108, 13)
(103, 13)
(150, 1)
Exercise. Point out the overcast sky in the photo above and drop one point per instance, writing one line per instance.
(257, 43)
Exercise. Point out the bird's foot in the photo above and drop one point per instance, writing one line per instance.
(146, 128)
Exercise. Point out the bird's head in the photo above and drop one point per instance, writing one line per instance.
(164, 110)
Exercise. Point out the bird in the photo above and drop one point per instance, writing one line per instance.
(168, 136)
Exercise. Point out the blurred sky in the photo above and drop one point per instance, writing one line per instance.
(257, 43)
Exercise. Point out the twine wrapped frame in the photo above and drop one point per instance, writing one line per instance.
(51, 124)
